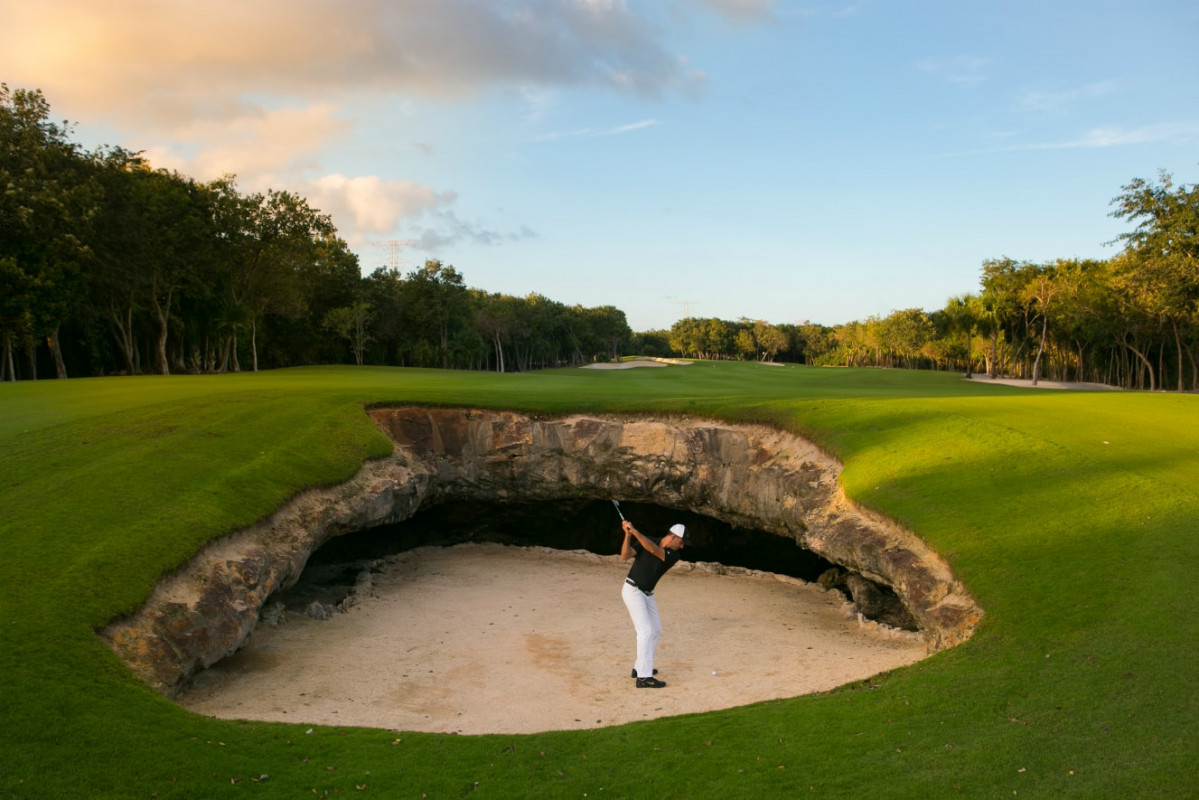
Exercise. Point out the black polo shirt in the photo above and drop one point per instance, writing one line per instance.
(647, 568)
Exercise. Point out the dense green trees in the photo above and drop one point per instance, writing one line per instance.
(108, 266)
(1131, 321)
(1157, 279)
(46, 205)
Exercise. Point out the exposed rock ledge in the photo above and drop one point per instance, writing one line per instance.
(749, 476)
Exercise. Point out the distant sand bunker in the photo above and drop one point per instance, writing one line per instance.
(638, 362)
(482, 638)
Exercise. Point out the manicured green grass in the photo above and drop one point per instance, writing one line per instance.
(1071, 516)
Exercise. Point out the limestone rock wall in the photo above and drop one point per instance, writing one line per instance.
(205, 611)
(749, 476)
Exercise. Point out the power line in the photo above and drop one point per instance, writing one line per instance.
(393, 249)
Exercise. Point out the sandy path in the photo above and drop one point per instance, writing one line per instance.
(483, 638)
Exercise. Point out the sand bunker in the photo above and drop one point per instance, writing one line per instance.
(483, 638)
(1043, 384)
(638, 362)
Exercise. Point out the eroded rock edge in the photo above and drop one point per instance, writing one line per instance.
(746, 475)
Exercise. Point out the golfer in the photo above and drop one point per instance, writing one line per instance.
(651, 559)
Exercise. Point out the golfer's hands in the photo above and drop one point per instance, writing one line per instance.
(626, 547)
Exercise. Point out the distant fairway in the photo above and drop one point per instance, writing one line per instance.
(1072, 517)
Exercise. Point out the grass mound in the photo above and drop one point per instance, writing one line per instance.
(1069, 515)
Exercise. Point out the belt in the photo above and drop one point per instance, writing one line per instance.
(633, 583)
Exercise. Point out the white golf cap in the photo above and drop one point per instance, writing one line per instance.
(679, 530)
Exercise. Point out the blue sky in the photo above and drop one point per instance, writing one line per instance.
(785, 161)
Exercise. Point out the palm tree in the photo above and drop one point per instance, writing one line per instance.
(960, 311)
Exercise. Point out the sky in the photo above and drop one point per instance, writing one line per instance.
(781, 160)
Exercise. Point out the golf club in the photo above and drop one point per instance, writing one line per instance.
(617, 504)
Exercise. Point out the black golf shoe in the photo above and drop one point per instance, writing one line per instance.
(650, 683)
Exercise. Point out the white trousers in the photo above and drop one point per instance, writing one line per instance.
(644, 611)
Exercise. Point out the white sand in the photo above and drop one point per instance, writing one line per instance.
(482, 638)
(638, 362)
(1042, 384)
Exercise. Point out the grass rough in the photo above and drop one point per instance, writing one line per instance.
(1071, 517)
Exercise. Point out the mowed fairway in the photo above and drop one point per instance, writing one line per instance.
(1073, 517)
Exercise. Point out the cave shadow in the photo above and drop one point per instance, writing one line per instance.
(568, 524)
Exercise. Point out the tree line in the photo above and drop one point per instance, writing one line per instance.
(108, 266)
(1131, 320)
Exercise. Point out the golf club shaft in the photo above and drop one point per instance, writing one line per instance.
(617, 504)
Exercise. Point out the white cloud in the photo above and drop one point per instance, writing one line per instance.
(369, 205)
(258, 145)
(366, 207)
(256, 89)
(449, 230)
(167, 63)
(252, 88)
(596, 132)
(1180, 133)
(964, 71)
(742, 10)
(539, 102)
(1056, 102)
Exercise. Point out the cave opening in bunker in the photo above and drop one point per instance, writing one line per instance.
(334, 570)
